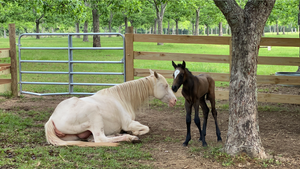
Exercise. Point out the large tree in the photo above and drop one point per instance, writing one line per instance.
(247, 27)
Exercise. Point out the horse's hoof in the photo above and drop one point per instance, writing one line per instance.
(219, 140)
(204, 144)
(185, 144)
(136, 141)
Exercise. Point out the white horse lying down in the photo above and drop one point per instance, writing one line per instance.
(106, 113)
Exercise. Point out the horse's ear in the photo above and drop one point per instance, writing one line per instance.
(156, 75)
(174, 65)
(183, 64)
(151, 72)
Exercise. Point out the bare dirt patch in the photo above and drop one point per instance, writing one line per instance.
(279, 126)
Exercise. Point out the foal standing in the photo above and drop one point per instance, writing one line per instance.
(194, 90)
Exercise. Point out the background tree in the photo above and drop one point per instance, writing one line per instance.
(160, 7)
(177, 11)
(247, 26)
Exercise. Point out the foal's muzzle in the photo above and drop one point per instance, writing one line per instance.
(174, 88)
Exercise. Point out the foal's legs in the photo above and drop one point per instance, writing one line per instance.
(214, 113)
(188, 109)
(205, 111)
(198, 123)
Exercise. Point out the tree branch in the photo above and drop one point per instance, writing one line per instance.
(229, 9)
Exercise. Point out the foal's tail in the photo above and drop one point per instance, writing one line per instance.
(53, 139)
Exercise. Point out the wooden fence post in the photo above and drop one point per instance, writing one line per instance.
(13, 58)
(129, 54)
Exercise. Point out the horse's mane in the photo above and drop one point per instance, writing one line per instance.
(131, 94)
(180, 65)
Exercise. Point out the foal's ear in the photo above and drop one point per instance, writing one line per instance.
(174, 65)
(156, 75)
(183, 64)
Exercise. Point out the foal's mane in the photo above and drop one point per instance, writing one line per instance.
(180, 65)
(131, 94)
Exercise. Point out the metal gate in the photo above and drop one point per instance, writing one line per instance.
(70, 62)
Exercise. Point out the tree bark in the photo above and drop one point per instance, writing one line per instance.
(160, 15)
(126, 22)
(197, 22)
(246, 26)
(176, 23)
(168, 31)
(155, 23)
(207, 32)
(96, 38)
(37, 26)
(85, 30)
(4, 32)
(277, 29)
(220, 29)
(109, 23)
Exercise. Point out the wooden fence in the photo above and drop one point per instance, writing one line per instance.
(6, 68)
(222, 95)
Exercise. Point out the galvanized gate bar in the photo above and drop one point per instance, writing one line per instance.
(70, 62)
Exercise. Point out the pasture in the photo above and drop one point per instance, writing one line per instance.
(22, 138)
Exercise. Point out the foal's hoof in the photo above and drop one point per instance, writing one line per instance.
(204, 144)
(219, 140)
(185, 144)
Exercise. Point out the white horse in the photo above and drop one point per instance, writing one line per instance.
(101, 116)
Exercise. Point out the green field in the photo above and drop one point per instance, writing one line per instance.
(116, 55)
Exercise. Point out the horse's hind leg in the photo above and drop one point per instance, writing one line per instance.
(215, 113)
(205, 111)
(198, 124)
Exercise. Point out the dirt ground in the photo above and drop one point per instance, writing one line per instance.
(280, 131)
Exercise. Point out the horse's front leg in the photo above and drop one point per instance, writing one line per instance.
(205, 110)
(188, 109)
(137, 128)
(198, 124)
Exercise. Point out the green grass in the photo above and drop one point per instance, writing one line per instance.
(116, 55)
(22, 143)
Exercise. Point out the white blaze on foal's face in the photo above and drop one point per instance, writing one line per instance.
(176, 73)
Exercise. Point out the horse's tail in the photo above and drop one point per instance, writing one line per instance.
(53, 139)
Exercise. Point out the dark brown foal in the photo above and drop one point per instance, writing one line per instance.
(194, 90)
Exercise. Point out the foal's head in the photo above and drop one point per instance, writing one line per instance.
(178, 75)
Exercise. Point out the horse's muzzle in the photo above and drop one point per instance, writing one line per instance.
(174, 88)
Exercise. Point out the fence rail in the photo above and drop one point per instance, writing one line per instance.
(264, 60)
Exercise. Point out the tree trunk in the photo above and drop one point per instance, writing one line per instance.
(193, 28)
(246, 26)
(160, 15)
(37, 27)
(96, 38)
(85, 30)
(109, 22)
(4, 32)
(77, 29)
(270, 29)
(168, 32)
(173, 30)
(197, 22)
(176, 23)
(277, 29)
(126, 23)
(299, 33)
(207, 29)
(155, 23)
(283, 30)
(220, 29)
